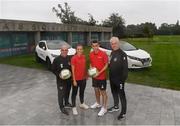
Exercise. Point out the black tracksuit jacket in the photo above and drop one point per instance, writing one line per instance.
(60, 63)
(118, 67)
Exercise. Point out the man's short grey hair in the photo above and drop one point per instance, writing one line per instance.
(116, 39)
(64, 46)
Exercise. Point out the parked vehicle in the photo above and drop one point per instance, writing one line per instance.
(137, 58)
(47, 50)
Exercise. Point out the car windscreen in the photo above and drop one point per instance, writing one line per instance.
(127, 47)
(105, 45)
(56, 44)
(124, 46)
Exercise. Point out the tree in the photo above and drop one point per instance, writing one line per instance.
(134, 31)
(143, 30)
(165, 29)
(149, 29)
(67, 16)
(176, 29)
(92, 21)
(117, 23)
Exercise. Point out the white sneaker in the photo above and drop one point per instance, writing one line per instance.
(74, 111)
(84, 106)
(95, 105)
(102, 111)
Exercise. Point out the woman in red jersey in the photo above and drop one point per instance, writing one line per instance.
(79, 74)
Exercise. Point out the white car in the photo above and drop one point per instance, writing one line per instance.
(47, 50)
(137, 58)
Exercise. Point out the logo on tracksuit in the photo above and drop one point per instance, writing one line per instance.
(60, 87)
(102, 87)
(121, 86)
(61, 65)
(115, 59)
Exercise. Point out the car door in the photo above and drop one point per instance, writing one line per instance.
(42, 50)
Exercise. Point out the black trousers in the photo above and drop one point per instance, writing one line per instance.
(118, 92)
(81, 84)
(64, 88)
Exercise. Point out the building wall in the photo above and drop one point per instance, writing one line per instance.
(54, 36)
(19, 37)
(14, 43)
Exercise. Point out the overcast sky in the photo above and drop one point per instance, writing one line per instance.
(133, 11)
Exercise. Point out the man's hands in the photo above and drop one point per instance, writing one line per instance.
(97, 74)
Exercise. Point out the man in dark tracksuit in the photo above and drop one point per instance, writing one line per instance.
(118, 72)
(64, 86)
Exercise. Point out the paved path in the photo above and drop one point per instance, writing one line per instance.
(29, 96)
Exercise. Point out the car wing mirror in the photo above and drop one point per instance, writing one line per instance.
(44, 47)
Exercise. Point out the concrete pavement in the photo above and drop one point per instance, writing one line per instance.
(29, 97)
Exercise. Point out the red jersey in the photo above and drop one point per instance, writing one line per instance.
(99, 60)
(79, 63)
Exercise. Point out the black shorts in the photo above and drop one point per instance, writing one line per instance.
(101, 84)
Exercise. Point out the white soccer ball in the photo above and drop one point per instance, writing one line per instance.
(92, 71)
(65, 74)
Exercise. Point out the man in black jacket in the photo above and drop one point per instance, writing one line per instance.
(118, 72)
(64, 86)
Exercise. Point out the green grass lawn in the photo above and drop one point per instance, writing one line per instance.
(165, 70)
(27, 60)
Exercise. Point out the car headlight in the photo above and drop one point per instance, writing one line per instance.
(53, 55)
(134, 58)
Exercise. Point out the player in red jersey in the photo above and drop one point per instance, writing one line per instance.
(99, 60)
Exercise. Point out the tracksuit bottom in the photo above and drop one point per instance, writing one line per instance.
(81, 84)
(118, 92)
(64, 88)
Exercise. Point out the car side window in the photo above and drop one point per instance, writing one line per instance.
(42, 45)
